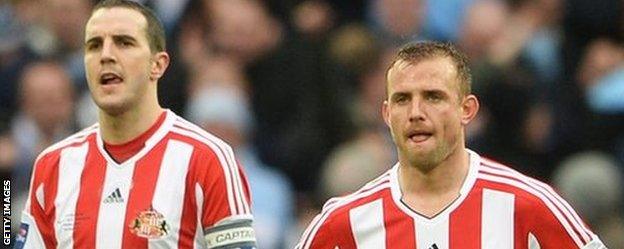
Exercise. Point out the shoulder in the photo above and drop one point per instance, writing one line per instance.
(205, 144)
(529, 192)
(537, 202)
(335, 213)
(370, 192)
(76, 139)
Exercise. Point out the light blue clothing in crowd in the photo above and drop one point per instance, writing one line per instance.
(607, 95)
(272, 203)
(443, 18)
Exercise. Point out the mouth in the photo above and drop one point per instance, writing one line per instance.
(110, 78)
(418, 136)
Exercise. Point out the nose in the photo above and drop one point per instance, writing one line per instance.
(416, 113)
(108, 52)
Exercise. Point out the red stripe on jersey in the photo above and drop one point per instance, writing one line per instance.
(550, 197)
(240, 191)
(401, 234)
(347, 202)
(46, 171)
(465, 222)
(238, 209)
(140, 197)
(89, 198)
(539, 191)
(570, 214)
(246, 190)
(549, 225)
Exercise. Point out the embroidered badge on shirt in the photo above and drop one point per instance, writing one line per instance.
(150, 224)
(21, 236)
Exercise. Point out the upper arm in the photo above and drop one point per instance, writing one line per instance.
(223, 195)
(37, 224)
(318, 234)
(556, 225)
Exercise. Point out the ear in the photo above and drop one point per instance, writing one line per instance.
(470, 107)
(385, 112)
(160, 62)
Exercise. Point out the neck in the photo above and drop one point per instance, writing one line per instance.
(123, 127)
(445, 179)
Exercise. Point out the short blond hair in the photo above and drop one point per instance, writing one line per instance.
(419, 51)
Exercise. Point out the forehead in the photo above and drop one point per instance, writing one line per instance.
(438, 72)
(116, 20)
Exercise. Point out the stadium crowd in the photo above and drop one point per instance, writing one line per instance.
(296, 87)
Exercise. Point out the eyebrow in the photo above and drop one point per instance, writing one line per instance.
(399, 94)
(115, 37)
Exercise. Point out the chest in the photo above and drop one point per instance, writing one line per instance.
(484, 221)
(100, 204)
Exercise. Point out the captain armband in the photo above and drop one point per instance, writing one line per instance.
(237, 234)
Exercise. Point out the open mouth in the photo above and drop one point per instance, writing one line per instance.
(110, 78)
(419, 136)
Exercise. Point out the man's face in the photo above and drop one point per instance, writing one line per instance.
(117, 59)
(424, 111)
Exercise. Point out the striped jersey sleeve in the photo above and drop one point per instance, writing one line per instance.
(221, 189)
(37, 226)
(548, 220)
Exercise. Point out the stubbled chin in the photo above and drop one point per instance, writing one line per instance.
(112, 105)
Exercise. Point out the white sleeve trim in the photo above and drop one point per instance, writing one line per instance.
(595, 244)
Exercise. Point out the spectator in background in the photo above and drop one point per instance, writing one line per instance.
(295, 91)
(592, 182)
(601, 80)
(443, 19)
(396, 22)
(584, 21)
(224, 111)
(45, 117)
(516, 107)
(62, 28)
(14, 55)
(367, 152)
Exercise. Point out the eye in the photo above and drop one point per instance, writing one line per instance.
(434, 97)
(92, 46)
(126, 43)
(400, 98)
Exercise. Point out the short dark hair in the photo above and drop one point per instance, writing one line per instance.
(155, 31)
(419, 51)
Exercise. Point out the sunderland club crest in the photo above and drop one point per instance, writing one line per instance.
(150, 224)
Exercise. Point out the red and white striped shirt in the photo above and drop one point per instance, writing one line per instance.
(498, 208)
(184, 189)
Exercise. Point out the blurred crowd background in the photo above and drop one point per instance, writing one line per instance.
(296, 87)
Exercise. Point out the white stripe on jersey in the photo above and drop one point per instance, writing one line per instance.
(429, 233)
(71, 164)
(521, 185)
(199, 241)
(497, 219)
(533, 243)
(173, 171)
(226, 149)
(572, 216)
(235, 195)
(366, 187)
(75, 138)
(366, 220)
(39, 195)
(320, 218)
(112, 215)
